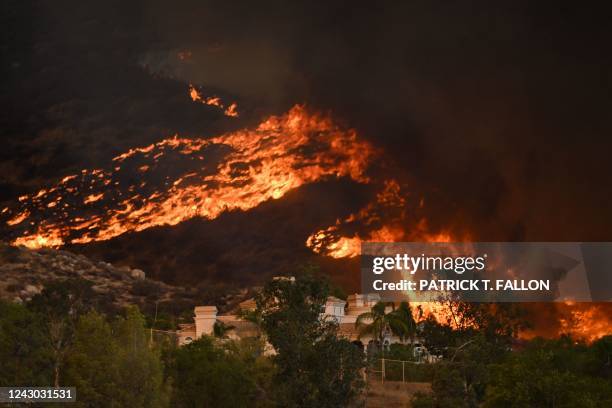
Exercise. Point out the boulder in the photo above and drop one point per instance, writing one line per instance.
(137, 274)
(32, 290)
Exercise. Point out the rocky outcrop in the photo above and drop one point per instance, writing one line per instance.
(25, 272)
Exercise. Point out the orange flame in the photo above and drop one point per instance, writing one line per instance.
(281, 154)
(92, 198)
(581, 320)
(19, 218)
(586, 321)
(330, 241)
(196, 96)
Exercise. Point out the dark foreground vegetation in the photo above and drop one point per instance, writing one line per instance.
(545, 373)
(59, 338)
(485, 364)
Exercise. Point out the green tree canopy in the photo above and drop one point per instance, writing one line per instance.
(91, 364)
(60, 305)
(26, 357)
(211, 376)
(114, 364)
(139, 364)
(315, 368)
(550, 373)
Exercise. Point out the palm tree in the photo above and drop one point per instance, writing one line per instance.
(377, 321)
(404, 313)
(400, 321)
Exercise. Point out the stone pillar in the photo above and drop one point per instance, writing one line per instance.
(205, 318)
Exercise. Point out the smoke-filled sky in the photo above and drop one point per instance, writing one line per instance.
(495, 118)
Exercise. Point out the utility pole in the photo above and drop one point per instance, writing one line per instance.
(154, 321)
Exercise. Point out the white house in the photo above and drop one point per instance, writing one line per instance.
(205, 318)
(345, 313)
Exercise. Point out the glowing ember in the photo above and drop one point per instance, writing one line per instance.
(184, 55)
(18, 218)
(92, 198)
(180, 178)
(231, 110)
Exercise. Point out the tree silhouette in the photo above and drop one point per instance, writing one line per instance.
(378, 321)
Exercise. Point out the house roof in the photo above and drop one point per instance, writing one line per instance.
(348, 330)
(248, 304)
(241, 328)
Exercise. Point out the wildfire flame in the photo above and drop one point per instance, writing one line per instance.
(196, 96)
(397, 226)
(581, 320)
(250, 167)
(181, 178)
(586, 321)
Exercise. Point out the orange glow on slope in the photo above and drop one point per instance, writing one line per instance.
(330, 241)
(196, 96)
(181, 178)
(581, 320)
(585, 321)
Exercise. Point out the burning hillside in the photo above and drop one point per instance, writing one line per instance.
(168, 155)
(477, 145)
(178, 179)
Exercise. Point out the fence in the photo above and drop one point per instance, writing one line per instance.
(407, 371)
